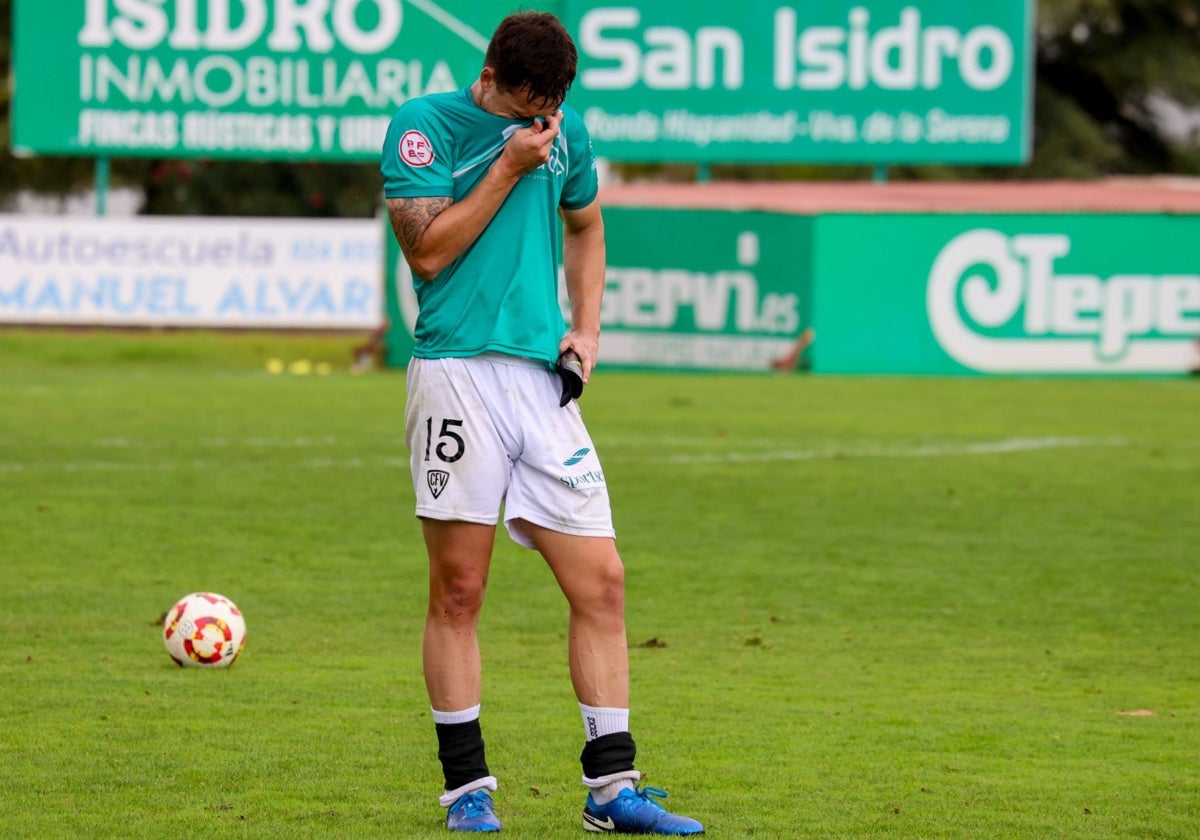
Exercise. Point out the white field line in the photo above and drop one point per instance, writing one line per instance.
(223, 442)
(995, 447)
(195, 464)
(923, 451)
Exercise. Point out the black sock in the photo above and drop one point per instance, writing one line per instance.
(608, 754)
(460, 749)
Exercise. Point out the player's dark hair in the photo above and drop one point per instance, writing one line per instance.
(532, 52)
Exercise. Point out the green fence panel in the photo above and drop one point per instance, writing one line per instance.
(685, 289)
(1006, 294)
(703, 289)
(890, 293)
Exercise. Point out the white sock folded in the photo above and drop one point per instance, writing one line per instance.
(602, 720)
(461, 716)
(607, 788)
(451, 796)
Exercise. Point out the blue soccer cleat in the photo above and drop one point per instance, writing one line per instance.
(472, 812)
(634, 812)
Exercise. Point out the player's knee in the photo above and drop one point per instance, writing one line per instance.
(606, 591)
(458, 599)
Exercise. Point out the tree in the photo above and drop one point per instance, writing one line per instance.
(1100, 66)
(243, 188)
(47, 176)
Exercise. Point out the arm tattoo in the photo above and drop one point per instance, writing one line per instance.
(411, 217)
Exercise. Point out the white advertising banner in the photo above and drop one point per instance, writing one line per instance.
(192, 272)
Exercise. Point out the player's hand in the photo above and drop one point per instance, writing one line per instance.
(530, 147)
(586, 347)
(570, 371)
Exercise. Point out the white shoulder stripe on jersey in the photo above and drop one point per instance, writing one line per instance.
(487, 157)
(494, 152)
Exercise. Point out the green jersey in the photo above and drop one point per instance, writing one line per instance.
(501, 294)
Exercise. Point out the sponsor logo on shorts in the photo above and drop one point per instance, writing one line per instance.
(579, 455)
(437, 481)
(583, 481)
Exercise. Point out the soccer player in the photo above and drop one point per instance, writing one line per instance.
(486, 189)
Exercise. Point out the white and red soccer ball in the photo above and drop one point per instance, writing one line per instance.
(204, 630)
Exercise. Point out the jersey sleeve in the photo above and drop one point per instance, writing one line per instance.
(581, 185)
(417, 159)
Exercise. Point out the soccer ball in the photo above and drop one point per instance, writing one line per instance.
(205, 630)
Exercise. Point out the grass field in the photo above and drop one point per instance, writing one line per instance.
(857, 607)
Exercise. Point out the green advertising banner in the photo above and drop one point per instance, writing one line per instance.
(1006, 294)
(684, 289)
(889, 293)
(874, 81)
(703, 289)
(260, 79)
(756, 81)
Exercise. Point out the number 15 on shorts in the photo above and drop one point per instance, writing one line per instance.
(450, 445)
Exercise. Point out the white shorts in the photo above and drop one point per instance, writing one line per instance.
(487, 431)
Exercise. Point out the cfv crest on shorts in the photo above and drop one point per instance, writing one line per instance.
(437, 481)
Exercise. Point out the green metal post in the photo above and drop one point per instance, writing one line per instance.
(103, 172)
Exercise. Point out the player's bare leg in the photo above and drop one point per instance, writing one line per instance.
(590, 573)
(591, 576)
(459, 558)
